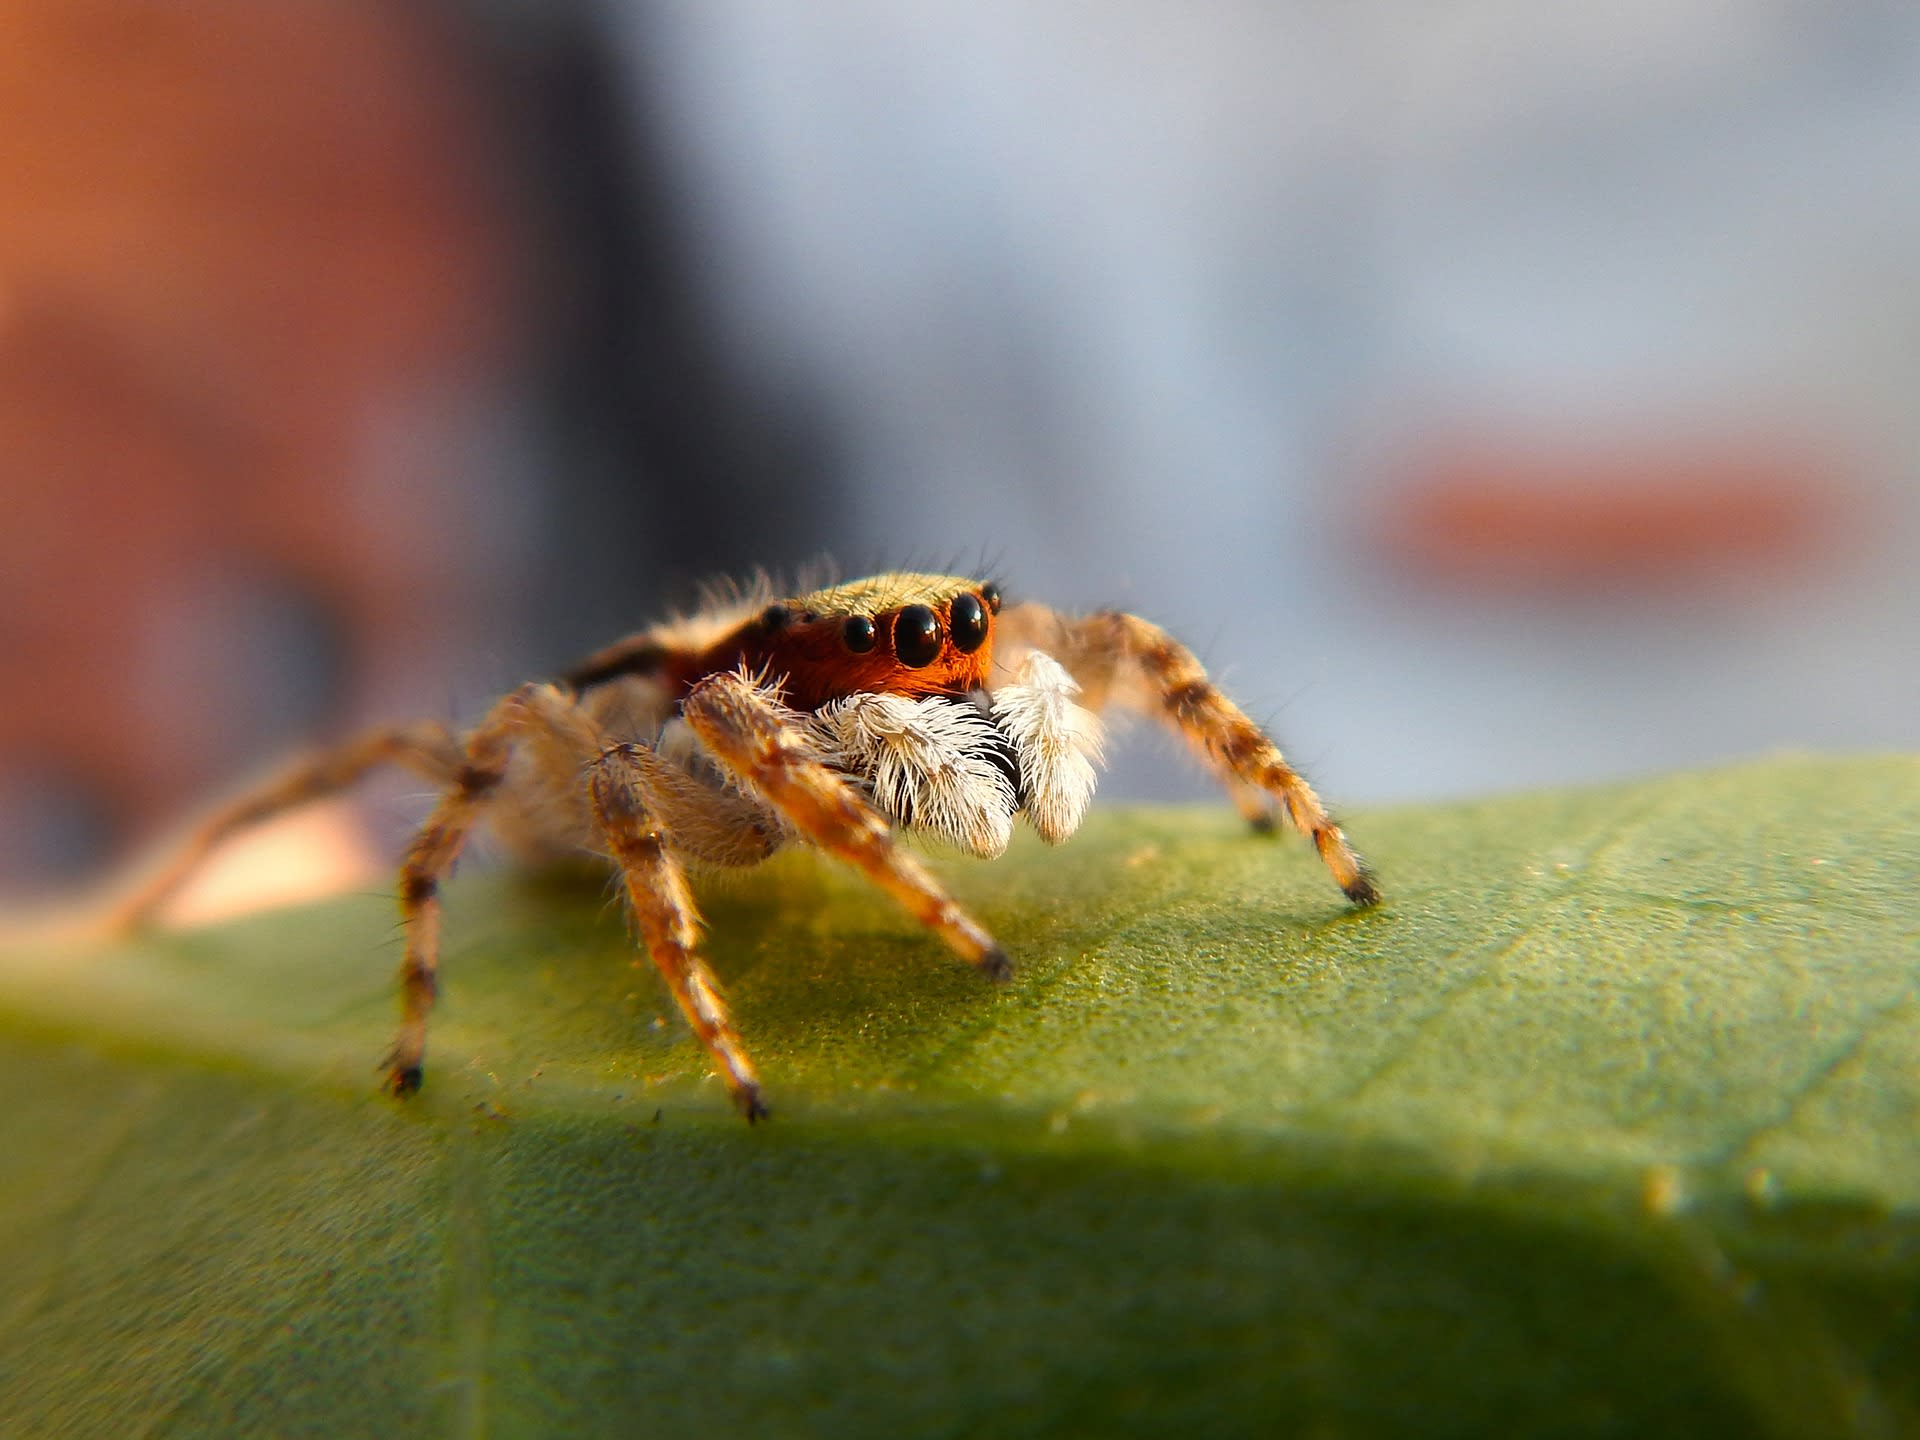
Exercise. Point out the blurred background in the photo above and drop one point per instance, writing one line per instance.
(1495, 394)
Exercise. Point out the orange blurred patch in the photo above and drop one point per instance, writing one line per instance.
(235, 240)
(1580, 513)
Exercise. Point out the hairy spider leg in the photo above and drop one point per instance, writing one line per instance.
(623, 794)
(744, 727)
(427, 748)
(1110, 652)
(704, 822)
(430, 858)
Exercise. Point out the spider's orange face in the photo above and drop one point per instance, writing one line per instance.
(902, 633)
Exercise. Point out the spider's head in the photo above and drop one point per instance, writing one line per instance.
(902, 633)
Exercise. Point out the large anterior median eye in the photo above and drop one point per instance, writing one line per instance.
(969, 619)
(916, 636)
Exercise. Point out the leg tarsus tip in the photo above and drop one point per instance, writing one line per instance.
(996, 966)
(1363, 891)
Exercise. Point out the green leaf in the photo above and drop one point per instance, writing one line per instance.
(1603, 1124)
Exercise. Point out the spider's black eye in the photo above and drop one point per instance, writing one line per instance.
(969, 620)
(858, 634)
(916, 636)
(991, 594)
(775, 617)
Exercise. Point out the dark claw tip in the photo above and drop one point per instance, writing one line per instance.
(1265, 823)
(404, 1080)
(996, 966)
(1363, 891)
(752, 1106)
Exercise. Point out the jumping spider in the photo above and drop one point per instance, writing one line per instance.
(834, 718)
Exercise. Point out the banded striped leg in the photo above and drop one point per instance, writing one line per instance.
(1111, 649)
(759, 743)
(708, 824)
(437, 845)
(625, 803)
(426, 748)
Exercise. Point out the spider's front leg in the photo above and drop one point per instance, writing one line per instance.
(627, 798)
(629, 791)
(1119, 656)
(763, 745)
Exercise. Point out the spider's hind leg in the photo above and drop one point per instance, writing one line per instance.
(472, 786)
(427, 748)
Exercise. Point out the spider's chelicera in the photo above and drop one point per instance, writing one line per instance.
(836, 719)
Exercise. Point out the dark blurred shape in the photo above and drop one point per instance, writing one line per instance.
(1582, 514)
(668, 465)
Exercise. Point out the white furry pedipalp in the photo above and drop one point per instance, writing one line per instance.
(929, 765)
(1055, 742)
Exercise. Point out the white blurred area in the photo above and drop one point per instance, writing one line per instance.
(1151, 304)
